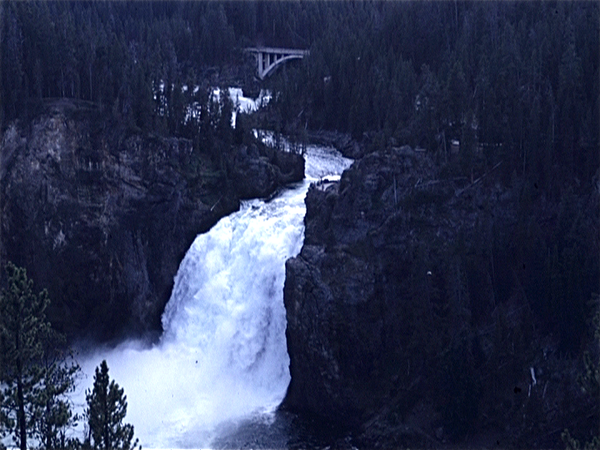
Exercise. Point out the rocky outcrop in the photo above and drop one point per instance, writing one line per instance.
(102, 215)
(343, 293)
(257, 171)
(342, 142)
(408, 319)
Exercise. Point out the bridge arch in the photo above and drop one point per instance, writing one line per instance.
(268, 59)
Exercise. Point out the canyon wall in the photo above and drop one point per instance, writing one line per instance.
(101, 215)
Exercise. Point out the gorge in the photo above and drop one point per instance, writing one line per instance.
(101, 215)
(403, 284)
(443, 291)
(222, 357)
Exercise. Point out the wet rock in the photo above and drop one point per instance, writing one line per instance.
(258, 172)
(343, 142)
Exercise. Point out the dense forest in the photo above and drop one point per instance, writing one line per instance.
(514, 85)
(518, 80)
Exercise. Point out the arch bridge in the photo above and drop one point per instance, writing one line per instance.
(269, 58)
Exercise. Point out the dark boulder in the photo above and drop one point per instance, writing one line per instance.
(257, 171)
(342, 142)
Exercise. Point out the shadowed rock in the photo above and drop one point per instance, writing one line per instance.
(102, 215)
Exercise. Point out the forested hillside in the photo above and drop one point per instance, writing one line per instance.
(495, 217)
(514, 84)
(518, 78)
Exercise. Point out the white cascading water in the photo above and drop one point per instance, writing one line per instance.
(223, 355)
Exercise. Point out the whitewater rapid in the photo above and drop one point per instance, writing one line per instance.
(223, 354)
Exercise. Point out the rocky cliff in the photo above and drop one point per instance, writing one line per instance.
(409, 314)
(102, 215)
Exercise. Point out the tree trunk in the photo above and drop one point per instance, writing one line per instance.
(48, 430)
(22, 423)
(90, 73)
(21, 410)
(62, 82)
(107, 442)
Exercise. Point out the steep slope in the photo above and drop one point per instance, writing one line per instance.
(102, 215)
(410, 314)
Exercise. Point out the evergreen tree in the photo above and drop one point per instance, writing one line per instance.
(52, 408)
(4, 421)
(23, 324)
(3, 417)
(107, 407)
(35, 375)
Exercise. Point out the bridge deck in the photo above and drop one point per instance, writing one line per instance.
(279, 51)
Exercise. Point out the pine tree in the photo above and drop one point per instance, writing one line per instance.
(3, 417)
(4, 422)
(52, 412)
(22, 325)
(35, 375)
(107, 407)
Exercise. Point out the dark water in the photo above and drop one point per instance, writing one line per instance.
(283, 430)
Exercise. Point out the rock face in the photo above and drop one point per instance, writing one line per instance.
(404, 302)
(343, 142)
(258, 172)
(102, 216)
(343, 293)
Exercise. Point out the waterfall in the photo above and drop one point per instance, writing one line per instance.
(223, 353)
